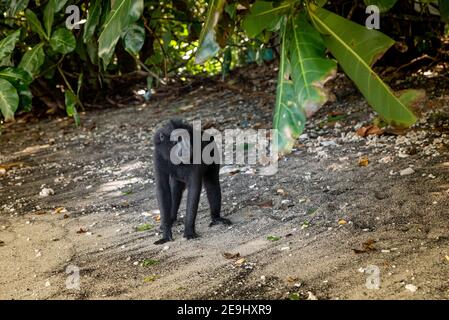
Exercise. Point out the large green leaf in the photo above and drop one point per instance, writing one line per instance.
(33, 59)
(383, 5)
(289, 118)
(122, 14)
(8, 44)
(63, 41)
(134, 38)
(51, 8)
(21, 80)
(304, 71)
(208, 46)
(263, 15)
(356, 48)
(9, 100)
(310, 67)
(93, 18)
(35, 24)
(15, 75)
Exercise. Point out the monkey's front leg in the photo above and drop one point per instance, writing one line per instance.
(193, 198)
(164, 199)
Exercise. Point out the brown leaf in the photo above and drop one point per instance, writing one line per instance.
(368, 246)
(11, 165)
(369, 130)
(363, 162)
(229, 255)
(157, 217)
(81, 230)
(265, 204)
(59, 210)
(292, 279)
(39, 213)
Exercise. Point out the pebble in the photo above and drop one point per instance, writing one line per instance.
(407, 172)
(412, 288)
(45, 192)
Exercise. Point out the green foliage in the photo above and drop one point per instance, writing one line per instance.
(9, 100)
(356, 48)
(177, 37)
(306, 30)
(208, 46)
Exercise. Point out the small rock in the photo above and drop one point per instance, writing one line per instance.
(311, 296)
(412, 288)
(45, 192)
(407, 172)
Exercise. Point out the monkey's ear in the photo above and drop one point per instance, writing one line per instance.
(161, 136)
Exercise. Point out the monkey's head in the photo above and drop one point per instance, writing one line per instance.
(173, 141)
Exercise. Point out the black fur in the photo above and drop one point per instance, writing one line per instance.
(172, 180)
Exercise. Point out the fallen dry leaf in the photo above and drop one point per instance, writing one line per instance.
(81, 230)
(157, 218)
(368, 246)
(59, 210)
(240, 261)
(39, 213)
(265, 204)
(342, 222)
(229, 255)
(363, 162)
(292, 279)
(369, 130)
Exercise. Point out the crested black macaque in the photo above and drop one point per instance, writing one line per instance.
(175, 171)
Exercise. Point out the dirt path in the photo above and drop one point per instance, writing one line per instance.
(334, 218)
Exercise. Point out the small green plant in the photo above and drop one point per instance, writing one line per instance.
(149, 262)
(144, 227)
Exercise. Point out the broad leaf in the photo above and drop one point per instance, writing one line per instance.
(8, 44)
(93, 18)
(51, 8)
(208, 46)
(356, 48)
(21, 80)
(264, 16)
(134, 38)
(383, 5)
(123, 13)
(9, 100)
(310, 67)
(33, 59)
(35, 24)
(303, 71)
(63, 41)
(15, 75)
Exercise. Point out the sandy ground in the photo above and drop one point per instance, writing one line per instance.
(335, 219)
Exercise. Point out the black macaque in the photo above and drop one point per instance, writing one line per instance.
(172, 179)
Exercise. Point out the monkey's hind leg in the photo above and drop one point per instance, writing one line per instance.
(164, 199)
(193, 198)
(213, 191)
(177, 188)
